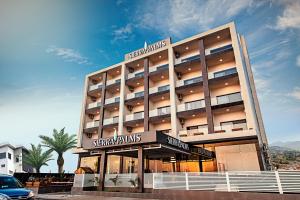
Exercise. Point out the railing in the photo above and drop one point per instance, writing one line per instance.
(112, 100)
(191, 57)
(218, 48)
(135, 116)
(160, 111)
(229, 98)
(243, 181)
(92, 124)
(231, 127)
(112, 120)
(158, 67)
(159, 89)
(94, 87)
(135, 95)
(193, 80)
(94, 105)
(110, 82)
(191, 105)
(138, 73)
(193, 132)
(86, 180)
(232, 181)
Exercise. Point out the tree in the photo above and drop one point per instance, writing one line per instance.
(60, 143)
(37, 158)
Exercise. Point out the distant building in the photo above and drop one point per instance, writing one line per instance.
(11, 159)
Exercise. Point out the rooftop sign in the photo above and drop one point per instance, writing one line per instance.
(147, 49)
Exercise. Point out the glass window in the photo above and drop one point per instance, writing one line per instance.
(2, 155)
(130, 165)
(113, 164)
(9, 156)
(90, 162)
(7, 182)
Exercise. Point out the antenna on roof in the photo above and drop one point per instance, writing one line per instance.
(145, 45)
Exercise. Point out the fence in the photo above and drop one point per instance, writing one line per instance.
(246, 181)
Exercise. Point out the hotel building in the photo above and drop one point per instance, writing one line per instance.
(187, 106)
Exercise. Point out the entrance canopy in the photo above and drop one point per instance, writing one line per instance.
(154, 144)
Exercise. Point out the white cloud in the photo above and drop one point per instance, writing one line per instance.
(69, 55)
(290, 17)
(176, 17)
(123, 33)
(295, 93)
(298, 61)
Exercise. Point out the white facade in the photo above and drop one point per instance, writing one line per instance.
(11, 159)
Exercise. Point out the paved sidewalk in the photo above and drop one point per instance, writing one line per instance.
(80, 197)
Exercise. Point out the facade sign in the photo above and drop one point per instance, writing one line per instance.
(118, 140)
(147, 49)
(179, 144)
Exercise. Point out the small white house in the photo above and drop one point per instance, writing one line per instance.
(11, 159)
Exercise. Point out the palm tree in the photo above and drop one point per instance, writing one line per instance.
(60, 143)
(37, 158)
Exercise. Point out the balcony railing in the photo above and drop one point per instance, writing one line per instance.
(224, 99)
(158, 67)
(181, 83)
(135, 116)
(191, 105)
(94, 105)
(225, 72)
(112, 100)
(218, 48)
(193, 132)
(113, 81)
(159, 89)
(112, 120)
(187, 58)
(92, 124)
(135, 95)
(94, 87)
(139, 73)
(231, 127)
(160, 111)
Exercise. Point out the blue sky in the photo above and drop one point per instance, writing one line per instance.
(47, 47)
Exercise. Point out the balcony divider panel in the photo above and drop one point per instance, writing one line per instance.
(101, 117)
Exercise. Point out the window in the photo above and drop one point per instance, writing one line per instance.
(17, 159)
(3, 165)
(196, 127)
(2, 155)
(9, 156)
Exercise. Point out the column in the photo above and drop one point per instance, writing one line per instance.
(103, 164)
(140, 169)
(101, 117)
(174, 123)
(146, 94)
(207, 98)
(122, 100)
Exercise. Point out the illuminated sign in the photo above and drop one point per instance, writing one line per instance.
(117, 140)
(147, 49)
(175, 142)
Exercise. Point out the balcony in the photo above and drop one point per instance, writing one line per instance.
(193, 132)
(160, 111)
(158, 67)
(223, 73)
(219, 49)
(159, 89)
(113, 81)
(188, 58)
(195, 80)
(113, 120)
(191, 105)
(139, 73)
(135, 116)
(226, 99)
(135, 95)
(94, 105)
(231, 128)
(112, 100)
(96, 86)
(92, 124)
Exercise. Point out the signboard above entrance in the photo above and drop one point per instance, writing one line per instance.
(147, 49)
